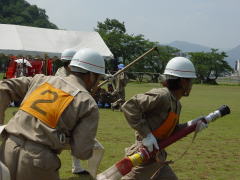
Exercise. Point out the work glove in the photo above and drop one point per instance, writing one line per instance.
(201, 126)
(149, 142)
(189, 123)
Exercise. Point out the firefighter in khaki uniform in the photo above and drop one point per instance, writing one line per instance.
(94, 162)
(66, 58)
(56, 113)
(64, 71)
(155, 115)
(119, 83)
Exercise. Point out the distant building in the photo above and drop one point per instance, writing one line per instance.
(237, 66)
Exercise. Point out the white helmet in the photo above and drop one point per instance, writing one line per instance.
(67, 54)
(180, 67)
(87, 60)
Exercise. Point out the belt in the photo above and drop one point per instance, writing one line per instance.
(28, 144)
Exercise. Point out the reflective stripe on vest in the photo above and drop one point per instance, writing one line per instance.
(47, 104)
(167, 127)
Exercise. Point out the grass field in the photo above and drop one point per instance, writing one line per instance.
(215, 154)
(1, 76)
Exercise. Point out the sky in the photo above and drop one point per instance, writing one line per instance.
(212, 23)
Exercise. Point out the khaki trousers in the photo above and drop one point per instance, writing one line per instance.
(27, 160)
(147, 170)
(4, 172)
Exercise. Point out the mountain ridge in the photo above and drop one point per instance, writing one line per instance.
(184, 46)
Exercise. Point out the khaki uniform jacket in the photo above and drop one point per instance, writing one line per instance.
(146, 112)
(62, 71)
(78, 122)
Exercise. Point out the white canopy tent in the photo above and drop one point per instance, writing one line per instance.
(24, 40)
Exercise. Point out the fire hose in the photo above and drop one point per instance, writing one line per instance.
(125, 165)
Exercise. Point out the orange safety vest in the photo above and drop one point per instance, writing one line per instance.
(167, 127)
(47, 104)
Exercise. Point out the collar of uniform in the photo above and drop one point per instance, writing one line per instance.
(171, 95)
(79, 83)
(174, 99)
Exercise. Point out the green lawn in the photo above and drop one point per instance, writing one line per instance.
(215, 154)
(1, 75)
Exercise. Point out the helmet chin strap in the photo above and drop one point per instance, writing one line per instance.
(186, 86)
(186, 91)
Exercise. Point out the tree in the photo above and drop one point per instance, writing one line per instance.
(210, 65)
(111, 25)
(112, 31)
(157, 62)
(132, 46)
(20, 12)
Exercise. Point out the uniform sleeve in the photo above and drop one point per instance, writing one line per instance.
(12, 90)
(135, 108)
(83, 138)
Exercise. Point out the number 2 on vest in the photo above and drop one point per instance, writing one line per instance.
(39, 101)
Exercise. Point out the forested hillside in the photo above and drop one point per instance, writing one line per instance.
(20, 12)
